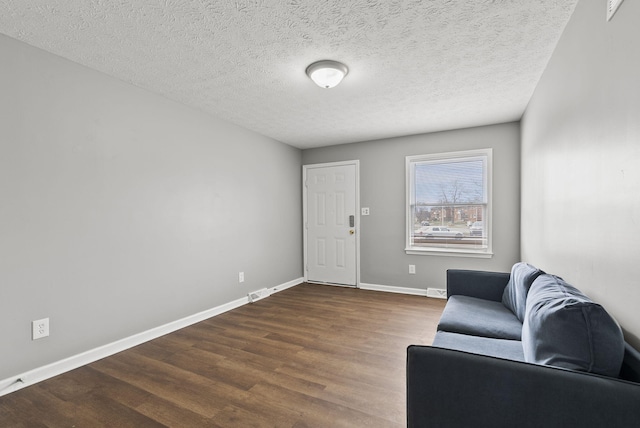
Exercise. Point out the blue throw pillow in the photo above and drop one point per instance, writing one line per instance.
(515, 293)
(564, 328)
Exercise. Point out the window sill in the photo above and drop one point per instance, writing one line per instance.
(448, 252)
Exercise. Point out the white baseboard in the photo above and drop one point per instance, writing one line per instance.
(286, 285)
(392, 289)
(39, 374)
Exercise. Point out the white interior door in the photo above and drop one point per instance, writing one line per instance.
(330, 221)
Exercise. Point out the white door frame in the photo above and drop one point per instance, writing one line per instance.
(356, 163)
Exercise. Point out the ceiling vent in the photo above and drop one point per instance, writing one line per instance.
(612, 6)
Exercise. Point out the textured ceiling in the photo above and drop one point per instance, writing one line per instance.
(415, 66)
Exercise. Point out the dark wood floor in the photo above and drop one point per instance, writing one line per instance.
(310, 356)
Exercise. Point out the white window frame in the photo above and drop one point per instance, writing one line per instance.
(485, 252)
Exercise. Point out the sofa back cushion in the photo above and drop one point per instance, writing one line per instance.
(515, 293)
(564, 328)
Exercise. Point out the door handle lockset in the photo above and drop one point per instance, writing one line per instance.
(351, 232)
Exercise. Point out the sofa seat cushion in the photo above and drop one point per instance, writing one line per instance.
(501, 348)
(564, 328)
(479, 317)
(515, 293)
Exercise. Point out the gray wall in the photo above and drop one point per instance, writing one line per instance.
(121, 210)
(382, 189)
(581, 161)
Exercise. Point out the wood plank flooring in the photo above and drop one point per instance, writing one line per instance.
(309, 356)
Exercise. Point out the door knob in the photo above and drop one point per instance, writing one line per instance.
(351, 232)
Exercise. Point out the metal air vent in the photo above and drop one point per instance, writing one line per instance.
(612, 6)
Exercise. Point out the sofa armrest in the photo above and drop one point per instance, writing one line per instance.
(477, 283)
(447, 388)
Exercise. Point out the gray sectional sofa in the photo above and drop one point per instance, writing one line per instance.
(526, 349)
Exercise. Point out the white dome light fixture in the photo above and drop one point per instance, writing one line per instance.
(327, 73)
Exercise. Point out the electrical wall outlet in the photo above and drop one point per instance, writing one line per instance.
(365, 211)
(39, 328)
(412, 269)
(240, 276)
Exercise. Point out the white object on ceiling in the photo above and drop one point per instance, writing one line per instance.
(612, 7)
(415, 66)
(326, 73)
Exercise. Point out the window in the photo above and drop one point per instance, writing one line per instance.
(449, 203)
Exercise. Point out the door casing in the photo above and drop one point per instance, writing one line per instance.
(305, 169)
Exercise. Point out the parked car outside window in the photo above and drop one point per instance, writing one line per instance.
(477, 229)
(438, 232)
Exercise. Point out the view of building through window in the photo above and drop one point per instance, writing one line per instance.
(448, 201)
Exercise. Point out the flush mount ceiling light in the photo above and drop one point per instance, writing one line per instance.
(327, 74)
